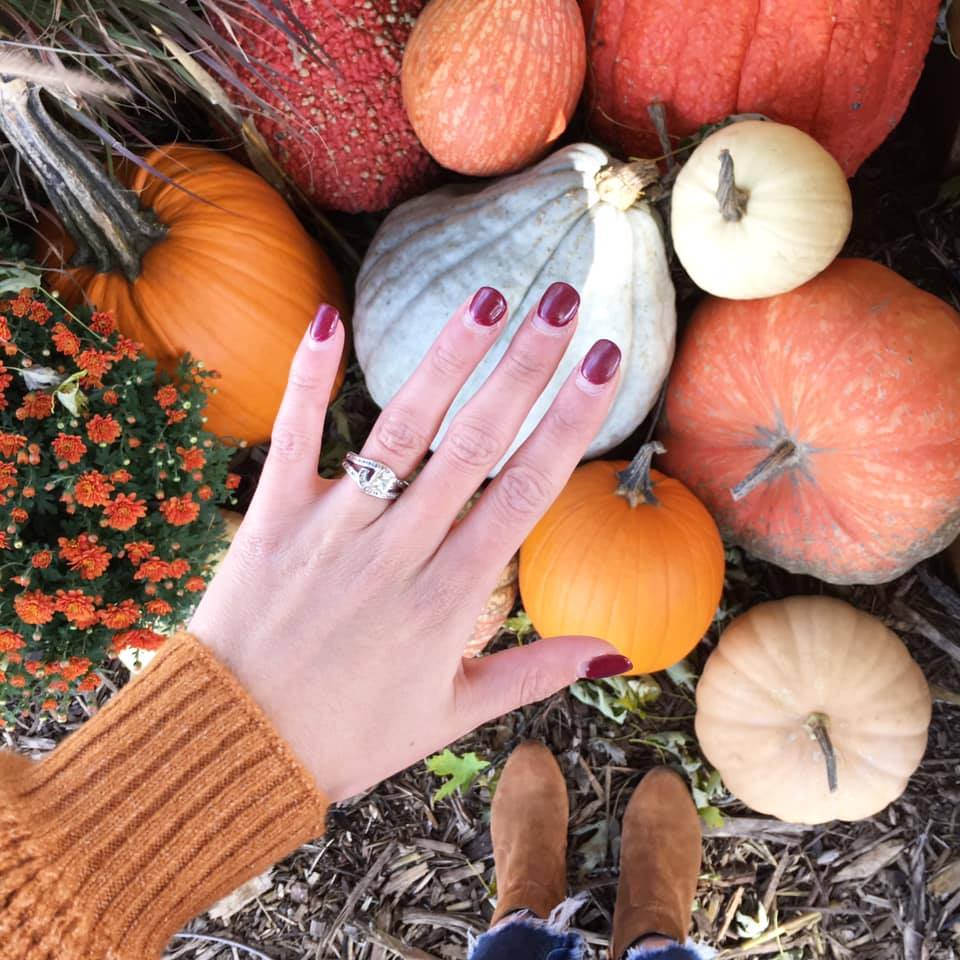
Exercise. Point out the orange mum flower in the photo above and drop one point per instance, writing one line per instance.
(176, 416)
(40, 312)
(18, 681)
(41, 559)
(4, 329)
(21, 304)
(103, 429)
(205, 493)
(8, 476)
(4, 541)
(119, 616)
(194, 584)
(95, 363)
(153, 570)
(77, 607)
(19, 515)
(124, 512)
(92, 489)
(9, 640)
(10, 443)
(36, 406)
(178, 567)
(120, 476)
(34, 607)
(66, 341)
(58, 686)
(49, 705)
(179, 511)
(138, 550)
(166, 396)
(85, 556)
(142, 639)
(111, 398)
(76, 667)
(127, 349)
(192, 458)
(233, 481)
(102, 322)
(158, 607)
(89, 684)
(69, 447)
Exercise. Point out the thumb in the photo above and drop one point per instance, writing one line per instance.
(493, 686)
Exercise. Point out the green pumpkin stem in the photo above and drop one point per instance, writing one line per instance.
(106, 222)
(623, 184)
(732, 200)
(783, 456)
(635, 484)
(816, 726)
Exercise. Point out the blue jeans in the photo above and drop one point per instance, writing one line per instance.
(522, 937)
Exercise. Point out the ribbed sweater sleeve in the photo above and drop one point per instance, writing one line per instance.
(177, 792)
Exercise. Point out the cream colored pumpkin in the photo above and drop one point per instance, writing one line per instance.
(574, 217)
(758, 209)
(791, 671)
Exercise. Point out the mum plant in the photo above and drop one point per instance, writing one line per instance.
(109, 486)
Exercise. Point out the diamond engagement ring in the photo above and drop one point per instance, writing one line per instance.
(374, 478)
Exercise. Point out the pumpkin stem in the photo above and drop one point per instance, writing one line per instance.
(110, 230)
(783, 456)
(816, 726)
(622, 184)
(635, 482)
(732, 200)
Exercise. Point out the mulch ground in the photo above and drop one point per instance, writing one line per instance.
(400, 875)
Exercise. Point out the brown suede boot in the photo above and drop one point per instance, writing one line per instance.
(659, 862)
(529, 829)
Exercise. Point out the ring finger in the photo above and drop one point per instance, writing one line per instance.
(404, 430)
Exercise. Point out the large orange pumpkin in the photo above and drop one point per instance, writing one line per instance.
(840, 70)
(822, 427)
(628, 555)
(204, 257)
(489, 85)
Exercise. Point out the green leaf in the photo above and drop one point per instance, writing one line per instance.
(711, 816)
(520, 625)
(683, 675)
(460, 771)
(618, 697)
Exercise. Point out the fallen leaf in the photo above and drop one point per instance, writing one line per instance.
(234, 902)
(461, 771)
(947, 880)
(871, 862)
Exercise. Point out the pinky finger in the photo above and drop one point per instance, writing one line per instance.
(289, 478)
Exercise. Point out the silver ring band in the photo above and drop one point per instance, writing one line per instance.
(374, 478)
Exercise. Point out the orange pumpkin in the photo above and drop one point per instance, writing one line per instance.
(489, 85)
(822, 426)
(203, 257)
(628, 555)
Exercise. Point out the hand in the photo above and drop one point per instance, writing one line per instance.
(345, 616)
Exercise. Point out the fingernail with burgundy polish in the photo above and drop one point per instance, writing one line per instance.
(559, 305)
(601, 363)
(324, 324)
(608, 665)
(487, 307)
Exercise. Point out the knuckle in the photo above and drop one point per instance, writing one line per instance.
(470, 444)
(395, 434)
(289, 444)
(535, 685)
(566, 420)
(521, 493)
(524, 364)
(446, 362)
(250, 551)
(300, 379)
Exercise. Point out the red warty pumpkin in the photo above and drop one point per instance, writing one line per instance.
(821, 427)
(338, 129)
(840, 70)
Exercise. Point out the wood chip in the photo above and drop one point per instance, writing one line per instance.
(235, 901)
(947, 881)
(871, 862)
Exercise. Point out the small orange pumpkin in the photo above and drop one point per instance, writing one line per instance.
(628, 555)
(822, 427)
(489, 85)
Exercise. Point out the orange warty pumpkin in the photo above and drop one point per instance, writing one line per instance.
(230, 277)
(489, 85)
(821, 427)
(628, 555)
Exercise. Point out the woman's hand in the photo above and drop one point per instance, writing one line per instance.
(345, 616)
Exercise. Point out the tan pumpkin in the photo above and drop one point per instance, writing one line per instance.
(812, 710)
(496, 610)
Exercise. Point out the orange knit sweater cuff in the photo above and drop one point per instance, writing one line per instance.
(173, 795)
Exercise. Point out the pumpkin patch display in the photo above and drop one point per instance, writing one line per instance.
(204, 258)
(335, 121)
(488, 115)
(842, 73)
(578, 216)
(812, 710)
(628, 555)
(822, 427)
(758, 209)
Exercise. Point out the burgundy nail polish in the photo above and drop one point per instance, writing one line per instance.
(559, 305)
(487, 306)
(601, 362)
(609, 665)
(324, 323)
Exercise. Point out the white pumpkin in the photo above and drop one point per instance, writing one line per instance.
(572, 217)
(758, 209)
